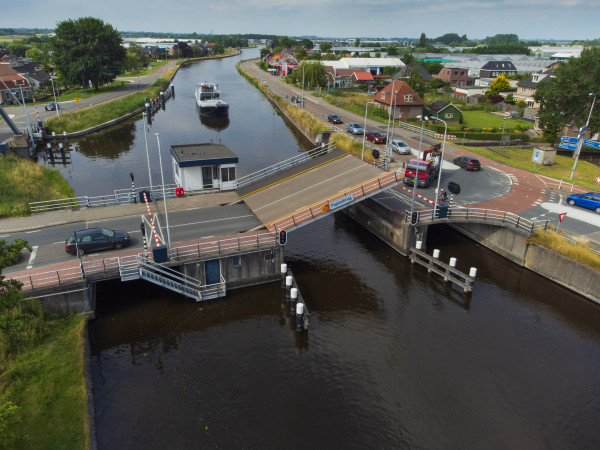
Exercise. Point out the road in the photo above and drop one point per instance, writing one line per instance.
(130, 86)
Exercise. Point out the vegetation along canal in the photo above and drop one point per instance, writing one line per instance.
(394, 358)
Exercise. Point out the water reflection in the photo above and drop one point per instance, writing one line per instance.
(213, 122)
(110, 144)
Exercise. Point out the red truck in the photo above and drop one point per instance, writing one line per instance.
(428, 166)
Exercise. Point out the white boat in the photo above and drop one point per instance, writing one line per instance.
(209, 100)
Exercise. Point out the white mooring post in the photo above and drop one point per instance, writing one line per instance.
(299, 317)
(293, 300)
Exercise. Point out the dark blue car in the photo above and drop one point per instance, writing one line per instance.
(591, 200)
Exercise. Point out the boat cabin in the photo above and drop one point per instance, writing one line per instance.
(204, 166)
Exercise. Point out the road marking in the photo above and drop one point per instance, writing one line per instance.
(34, 231)
(32, 257)
(4, 235)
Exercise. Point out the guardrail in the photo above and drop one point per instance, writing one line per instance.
(417, 129)
(118, 197)
(283, 165)
(457, 213)
(311, 213)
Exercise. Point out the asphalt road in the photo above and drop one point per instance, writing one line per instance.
(184, 225)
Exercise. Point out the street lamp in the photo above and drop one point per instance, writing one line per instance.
(584, 130)
(302, 86)
(362, 155)
(437, 192)
(25, 109)
(54, 93)
(412, 203)
(164, 194)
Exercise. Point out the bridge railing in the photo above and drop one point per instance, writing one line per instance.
(224, 246)
(459, 213)
(283, 165)
(323, 207)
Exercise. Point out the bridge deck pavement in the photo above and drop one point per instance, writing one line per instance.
(307, 188)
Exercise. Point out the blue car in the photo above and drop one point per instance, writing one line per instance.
(591, 200)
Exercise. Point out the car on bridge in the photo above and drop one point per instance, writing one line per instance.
(334, 118)
(96, 239)
(590, 200)
(376, 137)
(354, 128)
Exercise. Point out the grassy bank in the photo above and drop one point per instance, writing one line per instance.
(577, 251)
(26, 181)
(560, 170)
(43, 399)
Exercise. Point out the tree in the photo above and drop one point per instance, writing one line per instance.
(218, 49)
(325, 47)
(422, 41)
(433, 67)
(357, 42)
(183, 50)
(138, 57)
(17, 48)
(500, 84)
(307, 44)
(314, 73)
(301, 54)
(566, 98)
(87, 49)
(392, 51)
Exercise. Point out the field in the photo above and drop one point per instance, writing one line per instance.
(484, 119)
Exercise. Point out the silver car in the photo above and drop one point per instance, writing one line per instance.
(400, 147)
(354, 128)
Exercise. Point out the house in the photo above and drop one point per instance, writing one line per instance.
(152, 50)
(346, 78)
(204, 166)
(407, 71)
(444, 111)
(454, 76)
(359, 77)
(373, 65)
(526, 89)
(492, 69)
(37, 77)
(399, 98)
(13, 86)
(285, 61)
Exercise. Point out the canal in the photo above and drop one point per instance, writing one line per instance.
(394, 358)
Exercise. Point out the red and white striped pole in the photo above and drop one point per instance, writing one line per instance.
(36, 110)
(151, 220)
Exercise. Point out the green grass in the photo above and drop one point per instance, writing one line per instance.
(578, 251)
(29, 182)
(47, 384)
(145, 71)
(560, 170)
(483, 120)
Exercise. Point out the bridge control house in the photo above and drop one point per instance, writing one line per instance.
(204, 166)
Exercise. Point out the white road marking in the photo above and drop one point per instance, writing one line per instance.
(574, 212)
(33, 231)
(32, 257)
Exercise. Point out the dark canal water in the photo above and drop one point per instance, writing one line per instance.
(394, 357)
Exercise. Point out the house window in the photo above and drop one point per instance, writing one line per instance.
(448, 116)
(408, 98)
(455, 72)
(227, 173)
(462, 73)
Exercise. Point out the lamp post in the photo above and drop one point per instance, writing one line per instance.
(394, 106)
(164, 194)
(580, 143)
(412, 203)
(148, 155)
(362, 155)
(302, 86)
(437, 191)
(25, 109)
(54, 94)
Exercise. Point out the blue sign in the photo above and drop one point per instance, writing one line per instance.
(568, 146)
(342, 201)
(593, 144)
(569, 139)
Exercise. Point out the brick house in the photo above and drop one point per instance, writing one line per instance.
(12, 84)
(454, 76)
(400, 95)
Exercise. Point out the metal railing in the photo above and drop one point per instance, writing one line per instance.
(417, 129)
(458, 213)
(224, 246)
(315, 211)
(283, 165)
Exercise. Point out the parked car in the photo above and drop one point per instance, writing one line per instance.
(334, 118)
(376, 137)
(591, 200)
(468, 162)
(400, 147)
(52, 106)
(96, 239)
(354, 128)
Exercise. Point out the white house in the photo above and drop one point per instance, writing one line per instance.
(204, 166)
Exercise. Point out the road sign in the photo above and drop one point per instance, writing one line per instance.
(76, 100)
(590, 143)
(568, 139)
(561, 216)
(597, 180)
(582, 132)
(568, 146)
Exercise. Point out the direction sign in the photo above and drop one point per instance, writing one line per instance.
(568, 139)
(568, 146)
(590, 143)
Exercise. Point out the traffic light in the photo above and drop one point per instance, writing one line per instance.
(282, 237)
(414, 218)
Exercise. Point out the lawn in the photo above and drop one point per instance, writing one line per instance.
(560, 170)
(483, 119)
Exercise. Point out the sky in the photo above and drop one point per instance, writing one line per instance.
(529, 19)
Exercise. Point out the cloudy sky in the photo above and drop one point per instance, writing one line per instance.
(529, 19)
